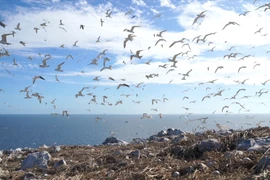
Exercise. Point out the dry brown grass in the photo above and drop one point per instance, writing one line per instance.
(157, 160)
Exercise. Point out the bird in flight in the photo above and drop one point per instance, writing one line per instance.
(4, 39)
(37, 77)
(201, 15)
(101, 22)
(18, 27)
(65, 112)
(82, 26)
(120, 85)
(232, 23)
(131, 30)
(59, 67)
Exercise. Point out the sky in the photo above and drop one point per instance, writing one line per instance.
(222, 64)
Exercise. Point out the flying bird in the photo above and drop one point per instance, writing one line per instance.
(37, 77)
(2, 24)
(201, 15)
(232, 23)
(131, 30)
(18, 27)
(101, 22)
(59, 67)
(4, 39)
(120, 85)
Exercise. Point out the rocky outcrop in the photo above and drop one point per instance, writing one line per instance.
(114, 141)
(38, 159)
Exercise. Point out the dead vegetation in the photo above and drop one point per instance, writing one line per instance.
(157, 160)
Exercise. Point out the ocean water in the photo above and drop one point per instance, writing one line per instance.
(18, 131)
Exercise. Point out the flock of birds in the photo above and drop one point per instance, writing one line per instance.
(170, 65)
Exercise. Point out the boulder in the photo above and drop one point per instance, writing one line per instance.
(262, 164)
(135, 154)
(162, 133)
(172, 131)
(114, 141)
(29, 176)
(209, 145)
(138, 141)
(60, 163)
(245, 144)
(38, 159)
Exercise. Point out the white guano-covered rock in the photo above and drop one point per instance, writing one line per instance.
(38, 159)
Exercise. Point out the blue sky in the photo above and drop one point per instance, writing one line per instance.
(152, 17)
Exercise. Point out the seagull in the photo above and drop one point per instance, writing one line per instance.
(9, 72)
(59, 67)
(37, 77)
(136, 55)
(159, 41)
(201, 15)
(101, 22)
(27, 95)
(205, 97)
(65, 113)
(61, 22)
(120, 85)
(56, 78)
(69, 56)
(224, 107)
(14, 62)
(75, 43)
(44, 63)
(244, 14)
(2, 24)
(53, 101)
(219, 67)
(241, 68)
(129, 38)
(265, 82)
(98, 39)
(129, 12)
(258, 31)
(23, 43)
(233, 23)
(4, 39)
(160, 33)
(108, 13)
(18, 27)
(25, 89)
(179, 41)
(131, 30)
(36, 29)
(63, 29)
(97, 119)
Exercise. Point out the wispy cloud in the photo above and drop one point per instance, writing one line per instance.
(139, 2)
(167, 3)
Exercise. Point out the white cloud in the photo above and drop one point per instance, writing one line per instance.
(167, 3)
(139, 2)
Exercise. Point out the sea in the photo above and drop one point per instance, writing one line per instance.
(20, 131)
